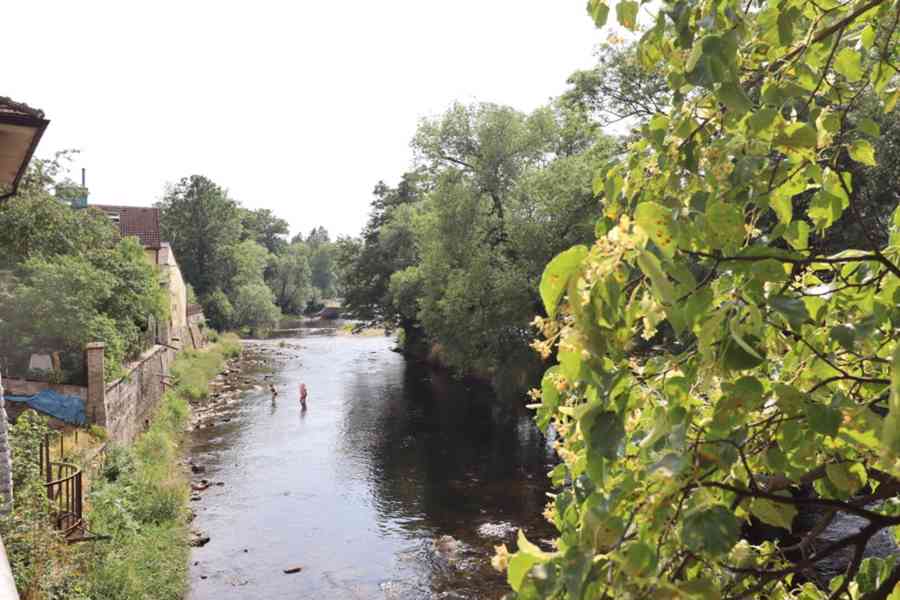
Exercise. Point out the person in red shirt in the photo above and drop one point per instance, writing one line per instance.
(303, 393)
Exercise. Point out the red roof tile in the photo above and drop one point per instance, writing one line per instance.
(135, 221)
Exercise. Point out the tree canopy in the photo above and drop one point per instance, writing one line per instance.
(727, 345)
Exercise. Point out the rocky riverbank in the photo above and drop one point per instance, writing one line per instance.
(250, 372)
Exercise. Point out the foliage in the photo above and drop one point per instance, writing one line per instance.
(249, 261)
(321, 263)
(445, 253)
(218, 310)
(229, 253)
(43, 565)
(619, 87)
(33, 223)
(65, 302)
(202, 223)
(387, 246)
(291, 278)
(726, 352)
(254, 307)
(266, 229)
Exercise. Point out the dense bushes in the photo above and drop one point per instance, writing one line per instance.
(66, 279)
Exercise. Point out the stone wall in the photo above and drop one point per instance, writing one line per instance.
(128, 404)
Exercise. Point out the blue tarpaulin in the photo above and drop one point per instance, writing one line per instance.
(65, 408)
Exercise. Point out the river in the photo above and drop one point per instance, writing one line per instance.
(396, 483)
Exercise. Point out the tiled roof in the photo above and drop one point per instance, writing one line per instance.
(8, 106)
(135, 221)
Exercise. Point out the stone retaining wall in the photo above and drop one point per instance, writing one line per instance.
(125, 406)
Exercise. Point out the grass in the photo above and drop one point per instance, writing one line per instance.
(193, 369)
(141, 502)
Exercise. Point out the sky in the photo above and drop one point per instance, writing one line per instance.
(297, 106)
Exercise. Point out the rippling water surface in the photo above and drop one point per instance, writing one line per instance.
(396, 482)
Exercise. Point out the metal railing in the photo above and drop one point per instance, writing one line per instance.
(64, 490)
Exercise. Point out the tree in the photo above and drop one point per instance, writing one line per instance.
(387, 246)
(202, 223)
(321, 262)
(721, 361)
(263, 227)
(248, 261)
(219, 310)
(35, 223)
(291, 278)
(254, 307)
(619, 88)
(65, 302)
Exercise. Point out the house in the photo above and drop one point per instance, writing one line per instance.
(143, 223)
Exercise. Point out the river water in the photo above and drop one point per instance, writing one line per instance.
(396, 483)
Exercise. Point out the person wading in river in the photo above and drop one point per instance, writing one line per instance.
(303, 395)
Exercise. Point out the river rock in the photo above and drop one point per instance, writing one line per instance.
(496, 530)
(292, 570)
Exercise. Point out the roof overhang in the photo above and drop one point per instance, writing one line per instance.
(21, 129)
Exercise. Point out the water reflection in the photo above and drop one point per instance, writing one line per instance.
(396, 482)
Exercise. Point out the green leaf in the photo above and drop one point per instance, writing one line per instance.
(783, 206)
(657, 224)
(773, 513)
(556, 276)
(797, 136)
(762, 119)
(823, 419)
(733, 96)
(613, 186)
(662, 287)
(845, 336)
(793, 309)
(847, 477)
(737, 358)
(711, 532)
(848, 62)
(640, 559)
(869, 127)
(786, 26)
(604, 432)
(526, 557)
(599, 529)
(599, 11)
(749, 391)
(797, 235)
(862, 151)
(890, 432)
(826, 208)
(626, 12)
(724, 225)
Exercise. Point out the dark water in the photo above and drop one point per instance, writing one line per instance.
(362, 488)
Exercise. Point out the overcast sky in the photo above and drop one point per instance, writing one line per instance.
(298, 106)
